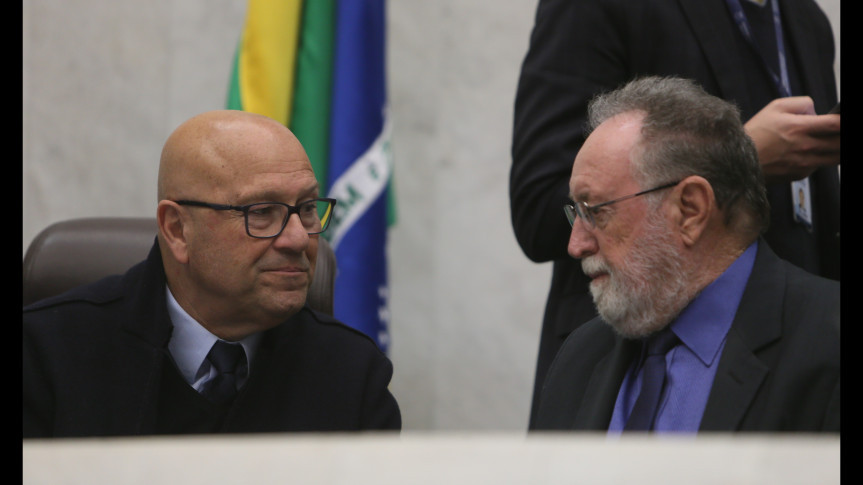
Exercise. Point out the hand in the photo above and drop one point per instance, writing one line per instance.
(792, 141)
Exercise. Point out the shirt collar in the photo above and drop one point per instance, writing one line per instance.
(191, 342)
(704, 323)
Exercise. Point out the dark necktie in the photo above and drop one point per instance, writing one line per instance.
(229, 361)
(653, 378)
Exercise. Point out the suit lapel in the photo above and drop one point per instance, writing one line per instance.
(757, 323)
(738, 378)
(604, 386)
(138, 385)
(145, 348)
(713, 28)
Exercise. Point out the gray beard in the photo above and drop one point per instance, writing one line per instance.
(648, 292)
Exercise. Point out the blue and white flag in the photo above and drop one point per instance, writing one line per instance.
(360, 168)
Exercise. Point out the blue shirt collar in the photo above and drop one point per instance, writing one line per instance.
(191, 342)
(704, 323)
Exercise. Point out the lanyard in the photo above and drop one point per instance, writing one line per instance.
(780, 79)
(800, 194)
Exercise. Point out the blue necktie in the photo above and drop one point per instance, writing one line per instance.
(229, 360)
(653, 379)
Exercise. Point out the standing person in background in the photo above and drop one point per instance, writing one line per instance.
(774, 60)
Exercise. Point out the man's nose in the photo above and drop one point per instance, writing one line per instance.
(582, 242)
(294, 236)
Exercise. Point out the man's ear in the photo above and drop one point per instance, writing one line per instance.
(695, 205)
(171, 219)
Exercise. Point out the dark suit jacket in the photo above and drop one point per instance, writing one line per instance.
(582, 47)
(779, 370)
(94, 358)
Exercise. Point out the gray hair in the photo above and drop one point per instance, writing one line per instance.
(686, 131)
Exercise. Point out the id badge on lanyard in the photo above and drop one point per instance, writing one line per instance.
(800, 193)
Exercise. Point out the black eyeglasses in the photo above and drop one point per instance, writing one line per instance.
(268, 219)
(586, 212)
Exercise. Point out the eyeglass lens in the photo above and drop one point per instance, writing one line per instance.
(575, 210)
(267, 220)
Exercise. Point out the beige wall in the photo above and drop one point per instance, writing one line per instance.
(105, 81)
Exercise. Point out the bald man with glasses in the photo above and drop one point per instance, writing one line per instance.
(211, 334)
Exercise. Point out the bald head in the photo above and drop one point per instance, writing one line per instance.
(215, 147)
(213, 166)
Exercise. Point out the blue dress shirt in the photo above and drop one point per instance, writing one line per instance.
(190, 343)
(691, 366)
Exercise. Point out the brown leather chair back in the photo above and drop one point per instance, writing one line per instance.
(79, 251)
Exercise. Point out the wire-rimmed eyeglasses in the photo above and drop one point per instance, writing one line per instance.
(586, 212)
(268, 219)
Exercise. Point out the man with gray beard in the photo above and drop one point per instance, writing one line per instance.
(701, 326)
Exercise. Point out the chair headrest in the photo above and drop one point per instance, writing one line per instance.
(79, 251)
